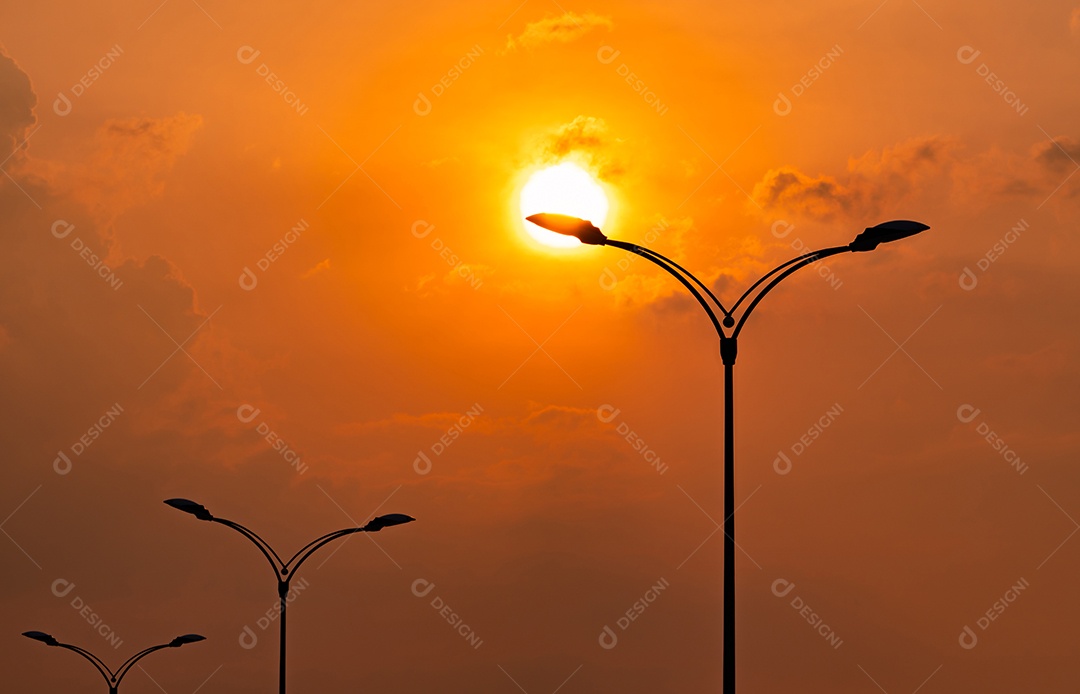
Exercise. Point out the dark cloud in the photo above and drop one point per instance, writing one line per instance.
(1059, 154)
(588, 139)
(872, 180)
(17, 101)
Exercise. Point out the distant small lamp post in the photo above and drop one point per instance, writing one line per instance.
(112, 678)
(284, 571)
(868, 240)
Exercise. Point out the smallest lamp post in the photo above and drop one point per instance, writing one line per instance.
(112, 678)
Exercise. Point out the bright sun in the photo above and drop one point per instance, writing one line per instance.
(564, 189)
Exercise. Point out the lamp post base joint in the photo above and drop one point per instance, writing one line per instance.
(729, 349)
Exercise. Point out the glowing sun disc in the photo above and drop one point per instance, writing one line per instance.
(564, 189)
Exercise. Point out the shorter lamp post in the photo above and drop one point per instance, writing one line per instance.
(112, 678)
(284, 571)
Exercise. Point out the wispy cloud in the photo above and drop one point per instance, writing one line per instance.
(562, 29)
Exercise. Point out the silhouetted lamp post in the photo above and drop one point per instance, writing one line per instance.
(868, 240)
(112, 678)
(284, 571)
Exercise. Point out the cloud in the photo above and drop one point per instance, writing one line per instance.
(74, 340)
(17, 101)
(563, 29)
(1042, 172)
(128, 163)
(873, 181)
(1059, 154)
(322, 265)
(588, 140)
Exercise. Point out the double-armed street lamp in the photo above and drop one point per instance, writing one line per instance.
(284, 571)
(112, 678)
(868, 240)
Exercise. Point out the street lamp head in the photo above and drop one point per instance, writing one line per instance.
(379, 522)
(895, 230)
(42, 637)
(185, 639)
(188, 506)
(564, 224)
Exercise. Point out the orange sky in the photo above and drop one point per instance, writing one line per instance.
(385, 157)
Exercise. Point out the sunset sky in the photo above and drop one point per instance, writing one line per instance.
(271, 257)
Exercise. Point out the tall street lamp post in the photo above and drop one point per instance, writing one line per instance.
(112, 678)
(868, 240)
(284, 571)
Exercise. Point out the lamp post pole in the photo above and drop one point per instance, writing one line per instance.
(868, 240)
(284, 571)
(112, 679)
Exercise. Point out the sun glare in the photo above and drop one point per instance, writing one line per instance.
(564, 189)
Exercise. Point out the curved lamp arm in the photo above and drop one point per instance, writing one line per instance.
(130, 662)
(767, 275)
(650, 256)
(262, 544)
(696, 281)
(796, 264)
(313, 546)
(372, 526)
(94, 660)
